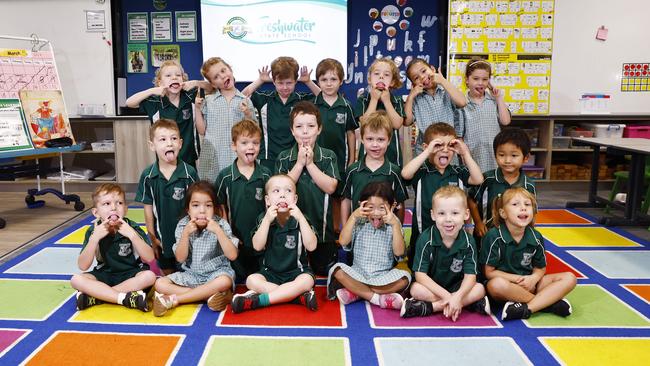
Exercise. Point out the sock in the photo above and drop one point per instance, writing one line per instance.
(120, 297)
(264, 300)
(375, 299)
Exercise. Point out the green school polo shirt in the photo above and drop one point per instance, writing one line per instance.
(495, 184)
(244, 198)
(446, 266)
(394, 152)
(158, 107)
(274, 122)
(426, 182)
(315, 204)
(358, 175)
(337, 120)
(116, 252)
(499, 250)
(284, 250)
(167, 198)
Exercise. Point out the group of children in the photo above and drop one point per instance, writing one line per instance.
(266, 206)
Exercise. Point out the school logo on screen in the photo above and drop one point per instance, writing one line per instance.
(267, 30)
(236, 28)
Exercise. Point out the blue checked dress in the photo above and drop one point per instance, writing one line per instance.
(482, 124)
(205, 260)
(373, 256)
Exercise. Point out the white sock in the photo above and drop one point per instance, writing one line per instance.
(375, 299)
(121, 297)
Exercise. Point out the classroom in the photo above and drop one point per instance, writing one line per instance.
(327, 182)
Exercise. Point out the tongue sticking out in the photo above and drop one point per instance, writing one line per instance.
(113, 218)
(283, 205)
(380, 85)
(443, 160)
(376, 222)
(175, 85)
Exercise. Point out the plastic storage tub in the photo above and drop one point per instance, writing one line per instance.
(534, 172)
(607, 130)
(637, 131)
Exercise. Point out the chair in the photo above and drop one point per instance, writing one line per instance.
(622, 177)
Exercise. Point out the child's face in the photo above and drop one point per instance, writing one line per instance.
(305, 129)
(510, 158)
(443, 154)
(381, 76)
(247, 148)
(375, 143)
(518, 211)
(284, 87)
(220, 76)
(377, 206)
(201, 209)
(449, 214)
(110, 207)
(171, 78)
(421, 74)
(281, 193)
(478, 81)
(166, 144)
(329, 83)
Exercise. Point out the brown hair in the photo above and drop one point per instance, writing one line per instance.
(329, 64)
(438, 129)
(284, 67)
(477, 63)
(505, 197)
(447, 192)
(205, 68)
(413, 64)
(163, 123)
(245, 127)
(304, 107)
(156, 79)
(381, 189)
(397, 81)
(202, 187)
(106, 188)
(377, 121)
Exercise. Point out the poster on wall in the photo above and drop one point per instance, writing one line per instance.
(636, 77)
(161, 27)
(46, 115)
(13, 130)
(28, 70)
(185, 26)
(164, 52)
(138, 24)
(137, 58)
(516, 38)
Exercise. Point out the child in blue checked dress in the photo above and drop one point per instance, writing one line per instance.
(204, 246)
(375, 234)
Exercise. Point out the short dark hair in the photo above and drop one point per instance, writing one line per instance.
(304, 107)
(203, 187)
(378, 189)
(515, 136)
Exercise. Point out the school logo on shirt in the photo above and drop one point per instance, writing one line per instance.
(456, 265)
(527, 259)
(259, 194)
(187, 113)
(291, 242)
(125, 249)
(179, 193)
(340, 118)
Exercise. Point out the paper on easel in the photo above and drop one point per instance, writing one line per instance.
(46, 115)
(13, 131)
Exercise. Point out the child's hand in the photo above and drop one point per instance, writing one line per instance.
(243, 107)
(198, 101)
(213, 225)
(480, 229)
(305, 75)
(302, 155)
(101, 230)
(295, 211)
(435, 146)
(125, 229)
(385, 96)
(361, 211)
(496, 93)
(390, 218)
(271, 213)
(375, 94)
(454, 307)
(527, 282)
(437, 75)
(159, 90)
(417, 89)
(190, 228)
(265, 74)
(309, 155)
(459, 147)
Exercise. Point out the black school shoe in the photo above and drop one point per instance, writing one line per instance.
(561, 307)
(515, 310)
(136, 300)
(482, 306)
(85, 301)
(332, 285)
(412, 308)
(307, 299)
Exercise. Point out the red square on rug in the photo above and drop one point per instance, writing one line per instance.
(329, 314)
(556, 265)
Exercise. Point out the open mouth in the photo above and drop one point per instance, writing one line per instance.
(443, 160)
(170, 154)
(249, 157)
(522, 217)
(175, 85)
(113, 218)
(227, 83)
(448, 227)
(282, 205)
(380, 85)
(376, 221)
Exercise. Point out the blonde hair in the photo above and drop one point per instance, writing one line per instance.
(505, 197)
(163, 123)
(279, 176)
(477, 63)
(448, 192)
(377, 121)
(107, 188)
(156, 79)
(205, 68)
(439, 129)
(397, 81)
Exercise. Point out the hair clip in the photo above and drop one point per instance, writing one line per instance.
(477, 62)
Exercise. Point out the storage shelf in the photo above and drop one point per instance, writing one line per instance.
(573, 150)
(90, 152)
(538, 149)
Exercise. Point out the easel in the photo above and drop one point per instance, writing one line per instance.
(30, 200)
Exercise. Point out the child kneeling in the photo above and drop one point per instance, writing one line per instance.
(375, 234)
(445, 264)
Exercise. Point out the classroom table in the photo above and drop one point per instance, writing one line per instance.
(31, 193)
(638, 148)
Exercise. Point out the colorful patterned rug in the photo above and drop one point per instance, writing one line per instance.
(39, 324)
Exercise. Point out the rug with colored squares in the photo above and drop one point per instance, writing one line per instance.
(39, 323)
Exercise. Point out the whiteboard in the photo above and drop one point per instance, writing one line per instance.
(84, 60)
(581, 64)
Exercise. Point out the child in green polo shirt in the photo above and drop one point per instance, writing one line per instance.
(120, 247)
(172, 98)
(511, 150)
(445, 264)
(316, 172)
(432, 169)
(285, 235)
(515, 261)
(240, 192)
(376, 133)
(162, 189)
(383, 76)
(275, 106)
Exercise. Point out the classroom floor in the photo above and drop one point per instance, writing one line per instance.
(610, 324)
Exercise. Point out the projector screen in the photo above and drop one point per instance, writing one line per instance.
(250, 34)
